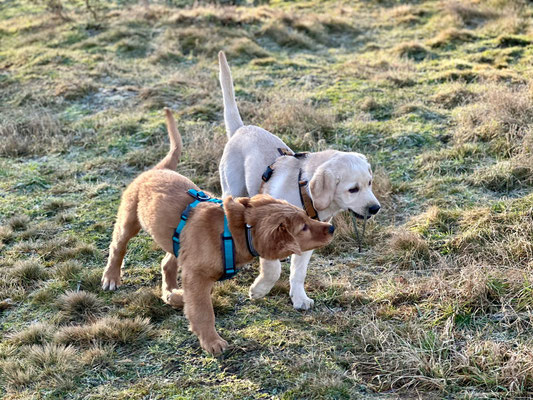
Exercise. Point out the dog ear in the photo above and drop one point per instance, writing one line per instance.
(245, 201)
(277, 242)
(322, 188)
(286, 240)
(232, 204)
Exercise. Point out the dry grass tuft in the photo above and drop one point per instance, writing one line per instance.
(107, 329)
(454, 95)
(68, 270)
(6, 234)
(145, 303)
(18, 223)
(451, 37)
(51, 355)
(98, 355)
(292, 114)
(79, 306)
(504, 176)
(500, 235)
(203, 139)
(503, 117)
(28, 271)
(32, 133)
(38, 333)
(469, 13)
(413, 50)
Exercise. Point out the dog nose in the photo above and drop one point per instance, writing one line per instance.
(331, 229)
(373, 210)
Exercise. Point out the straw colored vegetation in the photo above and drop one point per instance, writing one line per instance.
(437, 94)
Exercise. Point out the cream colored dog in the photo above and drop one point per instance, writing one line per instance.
(337, 181)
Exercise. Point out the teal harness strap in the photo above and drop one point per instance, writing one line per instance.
(228, 248)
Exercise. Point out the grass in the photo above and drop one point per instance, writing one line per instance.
(436, 94)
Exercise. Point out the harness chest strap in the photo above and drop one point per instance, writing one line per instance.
(228, 247)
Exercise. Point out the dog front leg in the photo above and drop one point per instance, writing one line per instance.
(269, 272)
(299, 264)
(199, 311)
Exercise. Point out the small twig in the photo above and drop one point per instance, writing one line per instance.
(91, 10)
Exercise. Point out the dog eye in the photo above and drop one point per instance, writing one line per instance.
(354, 189)
(305, 227)
(369, 183)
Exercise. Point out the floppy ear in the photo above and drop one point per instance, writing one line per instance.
(286, 240)
(232, 204)
(277, 242)
(322, 188)
(245, 201)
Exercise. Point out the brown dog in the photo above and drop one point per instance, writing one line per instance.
(155, 201)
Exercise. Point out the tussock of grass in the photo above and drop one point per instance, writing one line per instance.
(292, 114)
(28, 271)
(502, 117)
(19, 222)
(33, 132)
(79, 306)
(412, 50)
(68, 270)
(98, 355)
(145, 303)
(469, 13)
(106, 330)
(454, 95)
(38, 333)
(451, 37)
(407, 250)
(505, 176)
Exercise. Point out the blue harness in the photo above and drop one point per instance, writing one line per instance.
(228, 249)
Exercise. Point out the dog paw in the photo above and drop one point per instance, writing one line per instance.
(258, 292)
(174, 298)
(214, 346)
(302, 302)
(110, 282)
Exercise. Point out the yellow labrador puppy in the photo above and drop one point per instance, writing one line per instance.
(322, 183)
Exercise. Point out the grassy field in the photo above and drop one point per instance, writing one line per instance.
(435, 93)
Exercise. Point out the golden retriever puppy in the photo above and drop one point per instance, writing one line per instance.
(155, 201)
(333, 180)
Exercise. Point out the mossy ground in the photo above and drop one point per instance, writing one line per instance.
(436, 94)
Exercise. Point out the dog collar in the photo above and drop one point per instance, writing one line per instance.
(228, 247)
(307, 202)
(249, 241)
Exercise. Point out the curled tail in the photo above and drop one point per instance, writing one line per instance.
(173, 156)
(232, 117)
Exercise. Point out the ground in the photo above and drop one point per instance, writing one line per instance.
(435, 93)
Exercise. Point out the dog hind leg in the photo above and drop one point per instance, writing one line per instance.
(126, 227)
(269, 272)
(171, 294)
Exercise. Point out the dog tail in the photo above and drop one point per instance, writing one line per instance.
(232, 117)
(173, 156)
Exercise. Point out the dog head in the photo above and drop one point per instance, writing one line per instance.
(344, 182)
(280, 229)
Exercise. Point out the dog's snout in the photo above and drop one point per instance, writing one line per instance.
(373, 210)
(331, 229)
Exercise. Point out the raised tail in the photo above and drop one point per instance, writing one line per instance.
(173, 156)
(232, 117)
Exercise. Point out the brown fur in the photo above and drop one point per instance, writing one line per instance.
(155, 201)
